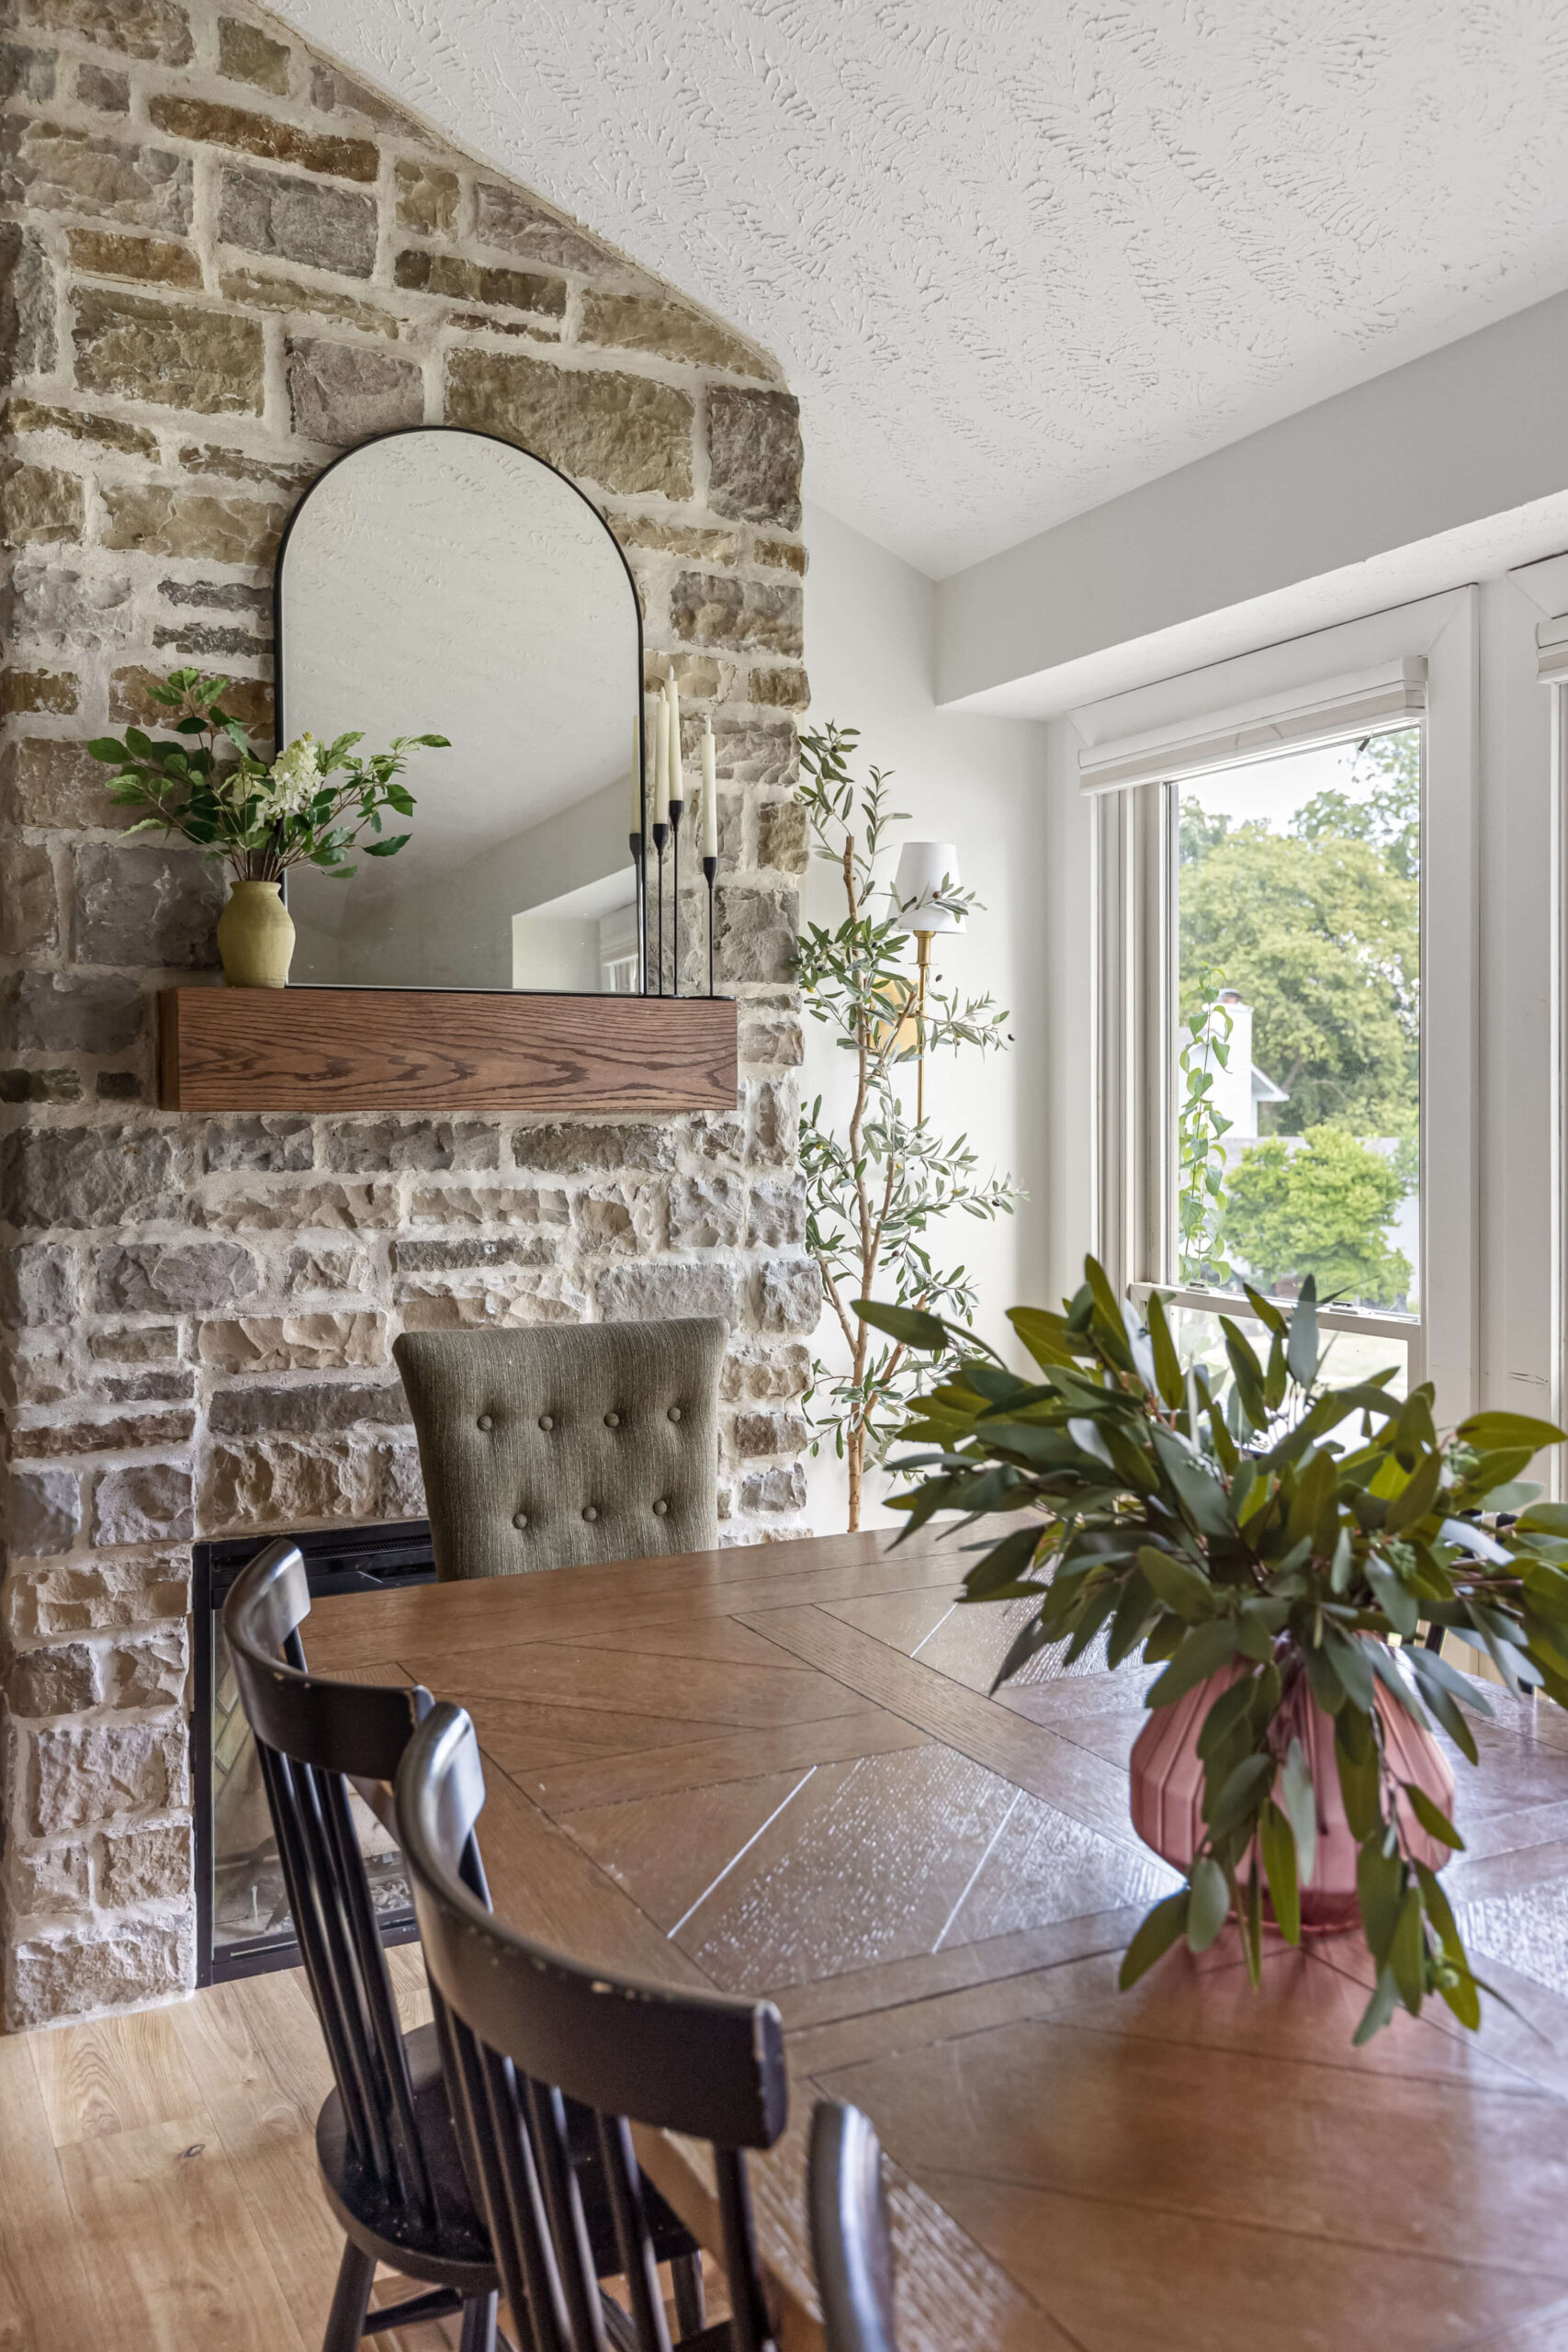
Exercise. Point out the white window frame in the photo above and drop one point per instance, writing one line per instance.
(1337, 682)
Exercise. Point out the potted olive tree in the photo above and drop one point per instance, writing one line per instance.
(1275, 1546)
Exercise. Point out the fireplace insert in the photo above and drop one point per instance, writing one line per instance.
(243, 1922)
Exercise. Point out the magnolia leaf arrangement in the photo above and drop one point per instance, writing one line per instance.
(312, 806)
(1252, 1527)
(876, 1180)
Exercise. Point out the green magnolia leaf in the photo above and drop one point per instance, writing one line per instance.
(1432, 1817)
(1179, 1583)
(1302, 1352)
(1360, 1777)
(1278, 1841)
(1209, 1905)
(1242, 1791)
(1407, 1954)
(1491, 1429)
(1155, 1937)
(1379, 2009)
(1299, 1801)
(1168, 1364)
(1540, 1518)
(910, 1325)
(1398, 1605)
(1201, 1653)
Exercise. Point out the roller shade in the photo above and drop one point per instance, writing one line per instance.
(1367, 704)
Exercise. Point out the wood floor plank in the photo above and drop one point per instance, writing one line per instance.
(115, 2073)
(45, 2300)
(1067, 1777)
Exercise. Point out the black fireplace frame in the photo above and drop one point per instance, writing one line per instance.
(337, 1560)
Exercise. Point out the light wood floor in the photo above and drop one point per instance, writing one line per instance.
(158, 2181)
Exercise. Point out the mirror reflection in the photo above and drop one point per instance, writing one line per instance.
(437, 582)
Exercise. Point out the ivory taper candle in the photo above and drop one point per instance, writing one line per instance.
(710, 793)
(659, 724)
(673, 705)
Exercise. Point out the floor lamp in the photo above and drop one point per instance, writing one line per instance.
(928, 872)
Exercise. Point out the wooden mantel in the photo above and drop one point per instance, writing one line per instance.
(403, 1049)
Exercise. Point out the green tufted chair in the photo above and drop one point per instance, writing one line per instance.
(550, 1449)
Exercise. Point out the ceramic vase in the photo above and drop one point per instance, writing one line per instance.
(255, 936)
(1167, 1789)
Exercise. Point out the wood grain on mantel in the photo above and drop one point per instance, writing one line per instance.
(404, 1049)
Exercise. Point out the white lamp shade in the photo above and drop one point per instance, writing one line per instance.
(923, 867)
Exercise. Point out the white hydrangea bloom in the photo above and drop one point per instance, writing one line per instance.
(293, 780)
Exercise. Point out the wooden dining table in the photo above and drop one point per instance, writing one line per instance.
(779, 1769)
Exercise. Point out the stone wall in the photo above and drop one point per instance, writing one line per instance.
(222, 260)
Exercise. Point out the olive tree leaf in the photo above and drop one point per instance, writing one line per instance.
(1278, 1840)
(1432, 1817)
(1210, 1904)
(1154, 1935)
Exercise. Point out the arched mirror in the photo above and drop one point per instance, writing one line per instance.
(440, 581)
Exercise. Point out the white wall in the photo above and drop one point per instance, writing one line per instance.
(870, 622)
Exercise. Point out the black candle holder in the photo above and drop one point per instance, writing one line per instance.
(677, 809)
(710, 868)
(639, 870)
(661, 836)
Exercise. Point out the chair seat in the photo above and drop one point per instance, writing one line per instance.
(454, 2250)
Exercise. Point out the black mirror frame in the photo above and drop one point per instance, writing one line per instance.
(471, 433)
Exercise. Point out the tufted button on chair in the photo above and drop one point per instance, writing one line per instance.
(551, 1449)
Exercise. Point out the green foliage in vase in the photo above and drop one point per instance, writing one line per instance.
(313, 805)
(1254, 1527)
(1319, 1210)
(878, 1180)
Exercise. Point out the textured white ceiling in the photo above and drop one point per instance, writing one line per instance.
(1019, 257)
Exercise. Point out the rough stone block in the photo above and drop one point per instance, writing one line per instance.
(427, 197)
(53, 605)
(173, 1277)
(297, 1207)
(325, 1342)
(789, 1295)
(488, 1205)
(775, 1037)
(247, 54)
(737, 615)
(27, 72)
(157, 31)
(256, 1411)
(72, 1972)
(159, 521)
(525, 290)
(517, 223)
(81, 1773)
(60, 1680)
(104, 91)
(29, 906)
(73, 1013)
(289, 1482)
(38, 1283)
(50, 1878)
(86, 1176)
(27, 304)
(145, 1865)
(475, 1253)
(141, 906)
(145, 261)
(302, 220)
(552, 1297)
(267, 1145)
(126, 1433)
(149, 1503)
(101, 1597)
(623, 1219)
(22, 691)
(259, 134)
(564, 1148)
(335, 93)
(383, 1147)
(134, 348)
(316, 1268)
(42, 504)
(46, 782)
(39, 1370)
(135, 1343)
(343, 392)
(765, 1374)
(120, 1086)
(757, 1435)
(754, 456)
(43, 1512)
(773, 1490)
(707, 1212)
(783, 838)
(150, 1672)
(758, 932)
(58, 170)
(778, 1214)
(757, 750)
(673, 329)
(779, 555)
(774, 1109)
(39, 1086)
(318, 305)
(625, 433)
(663, 1287)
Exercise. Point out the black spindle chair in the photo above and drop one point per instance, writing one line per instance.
(389, 2154)
(526, 2032)
(849, 2231)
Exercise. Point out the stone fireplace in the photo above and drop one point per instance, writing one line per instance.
(224, 260)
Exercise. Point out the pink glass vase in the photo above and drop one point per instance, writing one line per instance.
(1167, 1789)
